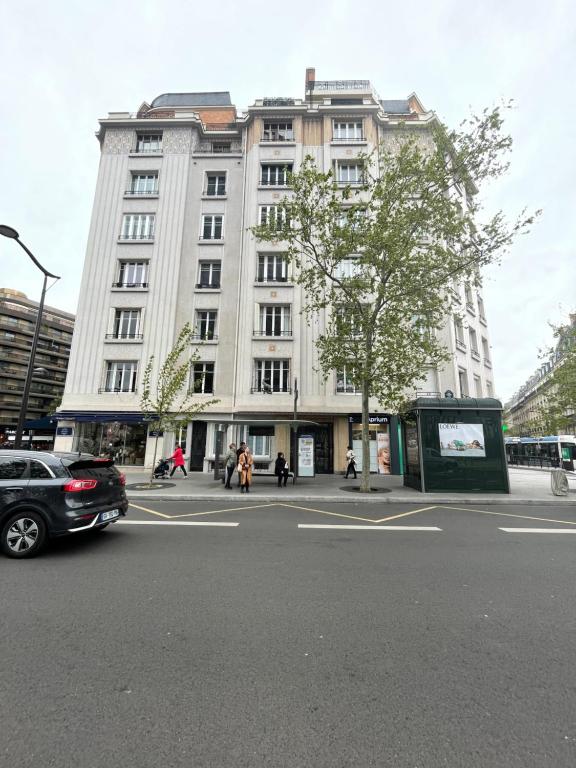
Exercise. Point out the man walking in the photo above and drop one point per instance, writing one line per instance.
(231, 462)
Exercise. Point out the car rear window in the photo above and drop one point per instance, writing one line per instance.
(98, 469)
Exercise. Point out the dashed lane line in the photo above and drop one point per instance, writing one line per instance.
(538, 530)
(344, 527)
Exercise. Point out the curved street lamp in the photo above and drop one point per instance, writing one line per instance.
(12, 234)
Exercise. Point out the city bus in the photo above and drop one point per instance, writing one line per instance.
(550, 451)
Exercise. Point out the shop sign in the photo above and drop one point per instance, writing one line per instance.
(156, 433)
(374, 418)
(306, 456)
(65, 431)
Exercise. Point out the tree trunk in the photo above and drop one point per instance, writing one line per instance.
(154, 459)
(365, 480)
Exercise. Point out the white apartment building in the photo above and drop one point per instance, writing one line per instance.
(179, 185)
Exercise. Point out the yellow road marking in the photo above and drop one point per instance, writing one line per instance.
(508, 514)
(405, 514)
(324, 512)
(217, 511)
(151, 511)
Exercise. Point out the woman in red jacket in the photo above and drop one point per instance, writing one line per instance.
(178, 459)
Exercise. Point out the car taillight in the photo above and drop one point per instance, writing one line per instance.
(122, 478)
(73, 486)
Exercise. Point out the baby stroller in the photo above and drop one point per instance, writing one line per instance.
(162, 469)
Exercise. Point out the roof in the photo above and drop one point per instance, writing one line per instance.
(456, 403)
(208, 99)
(396, 106)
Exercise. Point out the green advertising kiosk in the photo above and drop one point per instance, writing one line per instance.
(453, 444)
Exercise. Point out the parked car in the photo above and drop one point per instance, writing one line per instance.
(52, 494)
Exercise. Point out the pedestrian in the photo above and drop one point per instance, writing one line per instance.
(245, 462)
(178, 459)
(230, 463)
(281, 469)
(351, 463)
(240, 451)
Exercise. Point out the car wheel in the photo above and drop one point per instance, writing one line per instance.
(23, 534)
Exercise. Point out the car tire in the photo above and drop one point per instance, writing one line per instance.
(23, 534)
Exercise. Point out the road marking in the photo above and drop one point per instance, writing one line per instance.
(205, 523)
(151, 511)
(509, 514)
(324, 512)
(538, 530)
(218, 511)
(370, 527)
(405, 514)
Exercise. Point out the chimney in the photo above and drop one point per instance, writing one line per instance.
(310, 79)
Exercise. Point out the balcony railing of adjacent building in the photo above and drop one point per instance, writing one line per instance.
(146, 151)
(147, 236)
(475, 354)
(204, 337)
(460, 345)
(339, 85)
(278, 136)
(103, 390)
(273, 334)
(266, 279)
(130, 285)
(278, 101)
(269, 390)
(125, 336)
(141, 192)
(219, 149)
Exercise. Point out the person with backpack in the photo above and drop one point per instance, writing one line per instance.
(351, 463)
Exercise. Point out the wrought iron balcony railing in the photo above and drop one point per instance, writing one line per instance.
(129, 285)
(273, 334)
(125, 336)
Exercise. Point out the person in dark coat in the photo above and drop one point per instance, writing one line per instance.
(239, 452)
(281, 469)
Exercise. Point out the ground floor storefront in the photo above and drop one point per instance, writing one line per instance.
(315, 443)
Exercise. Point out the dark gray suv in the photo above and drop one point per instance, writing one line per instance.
(51, 494)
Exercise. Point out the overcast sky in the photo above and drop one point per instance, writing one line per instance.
(65, 64)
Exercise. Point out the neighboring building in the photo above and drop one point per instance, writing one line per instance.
(180, 184)
(17, 324)
(525, 411)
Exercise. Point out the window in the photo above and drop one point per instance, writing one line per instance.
(259, 439)
(138, 226)
(349, 173)
(272, 268)
(485, 350)
(474, 343)
(489, 392)
(477, 386)
(221, 147)
(215, 184)
(469, 297)
(203, 378)
(348, 267)
(212, 227)
(272, 216)
(278, 131)
(481, 310)
(11, 469)
(143, 184)
(344, 131)
(463, 382)
(209, 274)
(275, 175)
(275, 320)
(39, 471)
(149, 142)
(120, 376)
(206, 324)
(459, 333)
(352, 217)
(271, 376)
(133, 274)
(126, 324)
(344, 384)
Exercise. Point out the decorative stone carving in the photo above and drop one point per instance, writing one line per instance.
(119, 141)
(176, 141)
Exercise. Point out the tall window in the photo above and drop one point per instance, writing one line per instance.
(477, 386)
(202, 378)
(463, 382)
(133, 274)
(126, 324)
(489, 392)
(278, 131)
(469, 297)
(273, 216)
(149, 142)
(344, 130)
(459, 333)
(121, 376)
(206, 324)
(215, 184)
(144, 184)
(481, 310)
(212, 227)
(349, 173)
(275, 175)
(271, 376)
(275, 320)
(348, 267)
(209, 274)
(272, 268)
(344, 383)
(473, 343)
(138, 226)
(485, 350)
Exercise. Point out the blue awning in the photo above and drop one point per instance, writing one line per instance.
(48, 422)
(125, 417)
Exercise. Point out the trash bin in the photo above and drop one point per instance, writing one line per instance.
(559, 482)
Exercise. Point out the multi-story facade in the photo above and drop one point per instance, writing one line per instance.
(180, 184)
(18, 316)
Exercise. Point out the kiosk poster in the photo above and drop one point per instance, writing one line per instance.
(462, 440)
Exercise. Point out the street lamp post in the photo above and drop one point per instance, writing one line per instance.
(13, 235)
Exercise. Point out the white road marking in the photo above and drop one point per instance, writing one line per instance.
(538, 530)
(370, 527)
(203, 523)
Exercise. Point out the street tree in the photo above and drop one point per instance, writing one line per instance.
(560, 410)
(168, 402)
(376, 257)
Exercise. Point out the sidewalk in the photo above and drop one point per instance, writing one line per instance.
(527, 487)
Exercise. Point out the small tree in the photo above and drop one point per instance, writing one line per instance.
(167, 403)
(560, 410)
(376, 259)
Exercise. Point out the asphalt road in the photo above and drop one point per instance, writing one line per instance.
(263, 644)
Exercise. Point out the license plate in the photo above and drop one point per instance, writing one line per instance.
(109, 515)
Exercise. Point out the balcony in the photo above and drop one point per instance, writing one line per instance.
(209, 286)
(219, 127)
(273, 334)
(141, 193)
(125, 336)
(129, 285)
(207, 337)
(147, 237)
(475, 354)
(268, 390)
(116, 390)
(460, 345)
(348, 140)
(146, 150)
